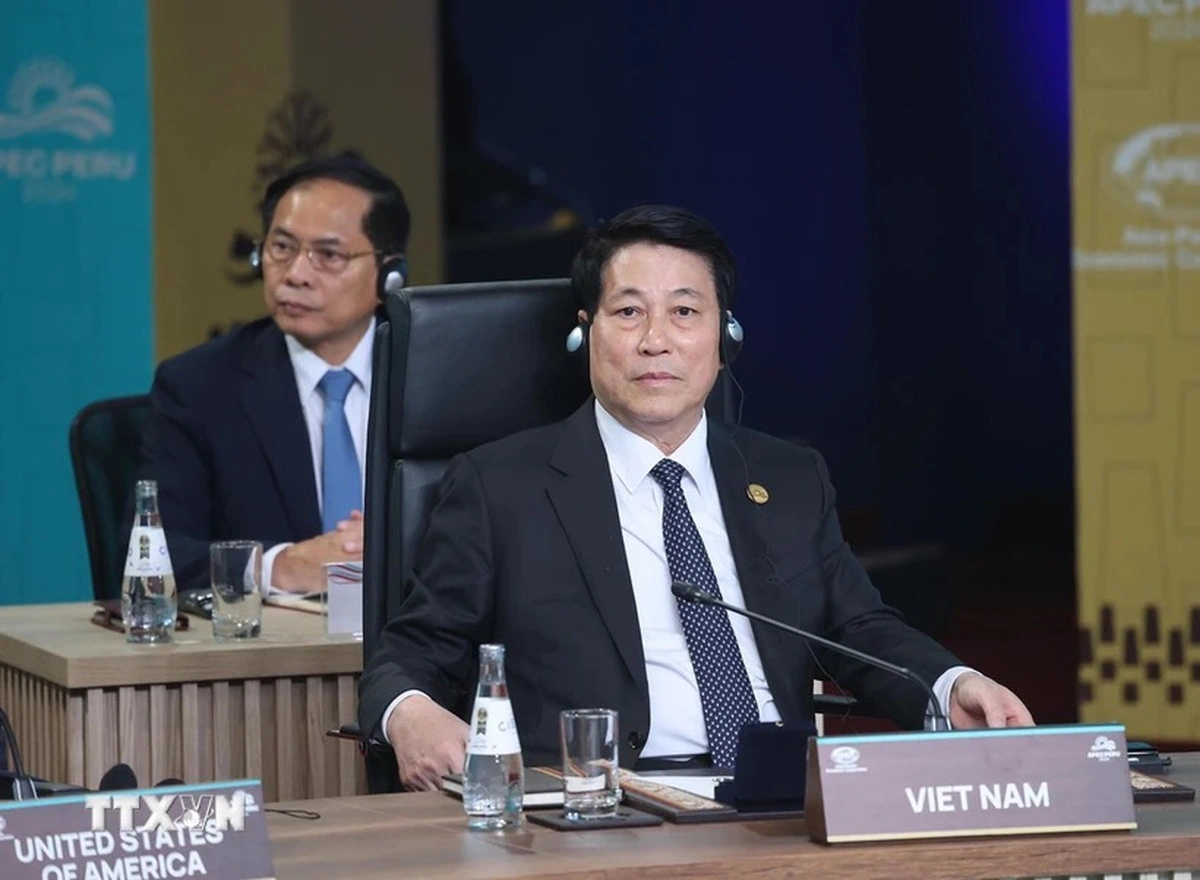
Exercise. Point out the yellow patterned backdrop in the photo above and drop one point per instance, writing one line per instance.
(1136, 182)
(244, 88)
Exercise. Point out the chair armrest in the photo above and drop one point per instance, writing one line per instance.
(351, 732)
(354, 733)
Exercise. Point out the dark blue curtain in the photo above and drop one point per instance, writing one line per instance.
(894, 181)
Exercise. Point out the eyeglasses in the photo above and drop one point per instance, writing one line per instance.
(324, 258)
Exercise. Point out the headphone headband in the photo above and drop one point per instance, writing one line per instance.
(732, 337)
(392, 276)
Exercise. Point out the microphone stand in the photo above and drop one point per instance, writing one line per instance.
(23, 787)
(692, 593)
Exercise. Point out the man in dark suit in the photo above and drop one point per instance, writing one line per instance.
(260, 434)
(562, 544)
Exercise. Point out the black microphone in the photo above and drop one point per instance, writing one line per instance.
(119, 777)
(692, 593)
(23, 788)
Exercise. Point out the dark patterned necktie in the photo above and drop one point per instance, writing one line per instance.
(725, 693)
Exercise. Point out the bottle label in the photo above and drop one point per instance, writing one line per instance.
(148, 554)
(584, 784)
(493, 728)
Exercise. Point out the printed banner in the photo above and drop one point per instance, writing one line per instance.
(75, 244)
(1136, 183)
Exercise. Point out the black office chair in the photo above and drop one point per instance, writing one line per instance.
(106, 440)
(455, 366)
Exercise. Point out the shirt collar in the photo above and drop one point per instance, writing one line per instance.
(632, 457)
(309, 367)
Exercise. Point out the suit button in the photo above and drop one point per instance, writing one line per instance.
(634, 740)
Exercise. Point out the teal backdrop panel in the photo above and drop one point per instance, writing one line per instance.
(75, 264)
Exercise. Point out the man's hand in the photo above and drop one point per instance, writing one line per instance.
(977, 701)
(429, 742)
(300, 568)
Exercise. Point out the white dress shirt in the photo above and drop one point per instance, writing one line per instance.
(676, 716)
(308, 369)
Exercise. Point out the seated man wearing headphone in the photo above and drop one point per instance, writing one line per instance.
(261, 433)
(563, 542)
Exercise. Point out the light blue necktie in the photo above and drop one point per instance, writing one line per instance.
(341, 479)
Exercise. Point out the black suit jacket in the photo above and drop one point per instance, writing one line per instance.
(229, 447)
(524, 547)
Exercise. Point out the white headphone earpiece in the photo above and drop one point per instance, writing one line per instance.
(576, 338)
(394, 281)
(733, 327)
(392, 278)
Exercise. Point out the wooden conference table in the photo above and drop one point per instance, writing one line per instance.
(423, 835)
(82, 699)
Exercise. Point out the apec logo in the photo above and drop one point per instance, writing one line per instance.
(43, 98)
(1169, 21)
(43, 103)
(1158, 170)
(1103, 749)
(845, 760)
(1142, 7)
(844, 756)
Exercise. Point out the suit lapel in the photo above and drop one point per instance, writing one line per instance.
(744, 523)
(272, 404)
(587, 509)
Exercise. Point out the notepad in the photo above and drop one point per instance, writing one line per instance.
(313, 603)
(542, 787)
(1151, 789)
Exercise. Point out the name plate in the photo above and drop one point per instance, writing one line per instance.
(344, 598)
(217, 831)
(968, 783)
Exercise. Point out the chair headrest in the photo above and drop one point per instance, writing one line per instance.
(472, 363)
